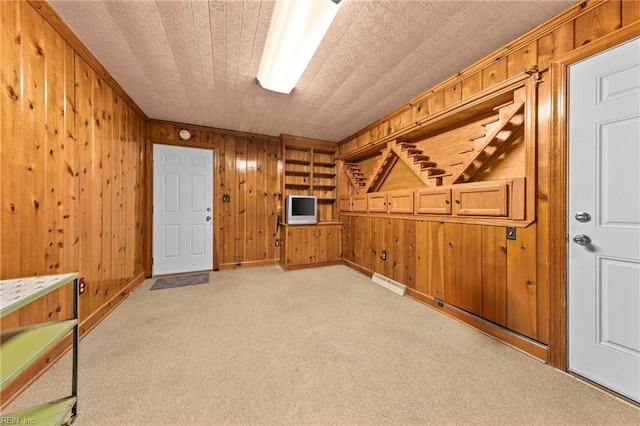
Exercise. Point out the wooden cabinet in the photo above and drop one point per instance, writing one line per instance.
(484, 199)
(354, 203)
(463, 203)
(344, 204)
(311, 245)
(359, 203)
(400, 202)
(20, 347)
(310, 169)
(433, 201)
(377, 202)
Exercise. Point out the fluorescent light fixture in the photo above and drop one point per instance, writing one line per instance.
(297, 28)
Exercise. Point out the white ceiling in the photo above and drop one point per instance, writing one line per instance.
(196, 61)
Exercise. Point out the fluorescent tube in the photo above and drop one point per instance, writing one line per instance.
(297, 28)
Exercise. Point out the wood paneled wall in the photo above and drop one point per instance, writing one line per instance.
(248, 168)
(507, 282)
(72, 166)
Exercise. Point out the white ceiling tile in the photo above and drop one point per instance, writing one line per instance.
(196, 61)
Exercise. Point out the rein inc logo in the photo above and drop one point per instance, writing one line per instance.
(8, 420)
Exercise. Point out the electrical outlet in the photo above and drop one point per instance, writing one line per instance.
(82, 285)
(277, 242)
(383, 256)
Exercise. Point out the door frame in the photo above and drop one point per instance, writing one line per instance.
(559, 189)
(149, 195)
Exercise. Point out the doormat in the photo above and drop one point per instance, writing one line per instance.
(181, 281)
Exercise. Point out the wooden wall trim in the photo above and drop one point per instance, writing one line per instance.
(559, 185)
(299, 141)
(505, 336)
(101, 313)
(540, 31)
(249, 264)
(53, 19)
(207, 129)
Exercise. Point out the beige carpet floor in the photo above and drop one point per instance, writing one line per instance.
(318, 346)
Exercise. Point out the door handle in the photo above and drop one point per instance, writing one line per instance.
(582, 239)
(583, 217)
(208, 218)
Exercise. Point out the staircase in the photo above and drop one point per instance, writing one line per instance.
(499, 132)
(355, 175)
(426, 169)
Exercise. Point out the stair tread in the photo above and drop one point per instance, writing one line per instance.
(502, 105)
(418, 157)
(441, 175)
(490, 120)
(427, 165)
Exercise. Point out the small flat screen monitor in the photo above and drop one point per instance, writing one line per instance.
(301, 209)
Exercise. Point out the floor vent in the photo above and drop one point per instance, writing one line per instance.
(389, 284)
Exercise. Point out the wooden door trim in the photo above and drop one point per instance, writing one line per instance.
(558, 204)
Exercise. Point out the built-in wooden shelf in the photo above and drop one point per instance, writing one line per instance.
(310, 169)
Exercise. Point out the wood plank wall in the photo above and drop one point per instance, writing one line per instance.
(72, 166)
(474, 265)
(247, 167)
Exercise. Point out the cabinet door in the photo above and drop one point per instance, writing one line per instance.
(345, 204)
(359, 203)
(298, 245)
(377, 203)
(401, 202)
(327, 243)
(481, 200)
(433, 201)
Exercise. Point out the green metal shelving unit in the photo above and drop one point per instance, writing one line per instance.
(19, 347)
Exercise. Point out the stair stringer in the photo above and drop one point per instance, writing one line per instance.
(381, 170)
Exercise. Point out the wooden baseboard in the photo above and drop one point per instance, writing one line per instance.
(249, 264)
(310, 265)
(506, 336)
(45, 361)
(358, 268)
(94, 319)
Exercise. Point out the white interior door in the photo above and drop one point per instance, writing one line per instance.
(604, 182)
(182, 209)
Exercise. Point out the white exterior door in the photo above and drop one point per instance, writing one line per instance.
(604, 182)
(182, 209)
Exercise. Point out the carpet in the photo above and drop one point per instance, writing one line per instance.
(317, 346)
(181, 281)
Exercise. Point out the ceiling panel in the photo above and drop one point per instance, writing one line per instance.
(196, 61)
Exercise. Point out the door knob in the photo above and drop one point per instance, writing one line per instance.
(208, 218)
(582, 239)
